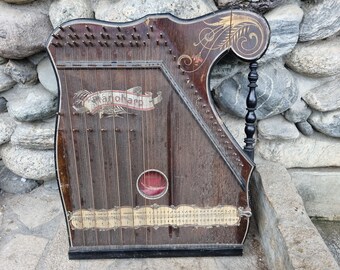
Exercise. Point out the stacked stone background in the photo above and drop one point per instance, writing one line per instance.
(298, 93)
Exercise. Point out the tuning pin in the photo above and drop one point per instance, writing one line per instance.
(71, 28)
(62, 28)
(88, 28)
(134, 29)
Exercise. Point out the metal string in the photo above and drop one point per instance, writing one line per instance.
(101, 150)
(128, 131)
(143, 131)
(72, 139)
(115, 154)
(88, 153)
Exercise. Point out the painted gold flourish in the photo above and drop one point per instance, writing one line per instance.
(245, 37)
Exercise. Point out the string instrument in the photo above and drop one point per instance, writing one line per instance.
(145, 165)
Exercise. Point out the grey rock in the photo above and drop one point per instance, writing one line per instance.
(40, 211)
(6, 82)
(19, 2)
(35, 59)
(284, 24)
(35, 135)
(19, 245)
(32, 103)
(321, 19)
(227, 67)
(314, 185)
(3, 104)
(7, 127)
(235, 125)
(305, 128)
(298, 112)
(317, 59)
(12, 183)
(21, 71)
(47, 76)
(317, 150)
(277, 128)
(305, 84)
(51, 185)
(64, 10)
(288, 236)
(259, 6)
(3, 60)
(325, 97)
(326, 122)
(276, 91)
(120, 11)
(23, 28)
(29, 163)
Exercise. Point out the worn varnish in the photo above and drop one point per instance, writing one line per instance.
(137, 127)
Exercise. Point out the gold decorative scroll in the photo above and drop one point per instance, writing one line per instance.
(244, 34)
(113, 102)
(155, 216)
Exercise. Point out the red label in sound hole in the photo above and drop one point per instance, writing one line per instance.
(152, 184)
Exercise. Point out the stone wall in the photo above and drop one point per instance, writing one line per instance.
(298, 93)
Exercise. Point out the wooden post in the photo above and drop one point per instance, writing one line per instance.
(250, 127)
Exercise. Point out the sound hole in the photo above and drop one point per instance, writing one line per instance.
(152, 184)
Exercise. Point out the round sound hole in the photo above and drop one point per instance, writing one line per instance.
(152, 184)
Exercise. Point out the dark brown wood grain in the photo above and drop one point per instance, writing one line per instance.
(100, 155)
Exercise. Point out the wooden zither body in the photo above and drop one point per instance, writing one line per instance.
(145, 165)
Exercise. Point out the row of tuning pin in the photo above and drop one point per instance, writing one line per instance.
(103, 38)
